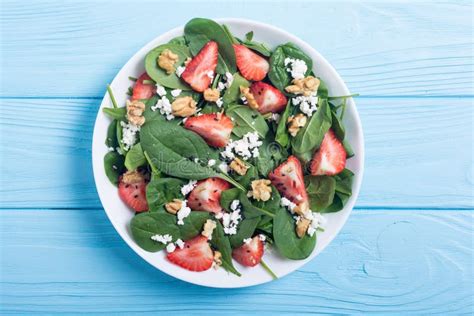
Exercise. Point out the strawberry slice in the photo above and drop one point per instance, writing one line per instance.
(132, 190)
(251, 65)
(288, 179)
(249, 254)
(196, 255)
(200, 69)
(141, 90)
(207, 194)
(215, 128)
(269, 98)
(330, 159)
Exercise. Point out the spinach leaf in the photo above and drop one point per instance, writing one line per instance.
(270, 155)
(158, 74)
(260, 48)
(114, 166)
(232, 94)
(323, 91)
(199, 31)
(115, 113)
(119, 133)
(278, 74)
(160, 191)
(135, 157)
(245, 230)
(343, 191)
(337, 126)
(348, 148)
(150, 115)
(178, 40)
(111, 140)
(311, 136)
(255, 209)
(282, 136)
(320, 190)
(193, 224)
(145, 225)
(286, 240)
(247, 120)
(222, 244)
(245, 180)
(266, 225)
(228, 196)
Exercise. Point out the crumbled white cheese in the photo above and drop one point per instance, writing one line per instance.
(179, 243)
(219, 102)
(170, 247)
(308, 104)
(129, 134)
(210, 74)
(296, 67)
(187, 188)
(176, 92)
(231, 220)
(246, 147)
(244, 99)
(274, 117)
(119, 150)
(183, 212)
(211, 162)
(317, 221)
(164, 105)
(164, 239)
(219, 215)
(160, 90)
(220, 86)
(235, 205)
(262, 237)
(224, 167)
(110, 149)
(180, 70)
(247, 241)
(288, 204)
(229, 79)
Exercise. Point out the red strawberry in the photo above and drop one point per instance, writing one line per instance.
(288, 179)
(251, 65)
(215, 128)
(198, 69)
(132, 190)
(141, 90)
(249, 254)
(196, 255)
(330, 159)
(269, 98)
(207, 194)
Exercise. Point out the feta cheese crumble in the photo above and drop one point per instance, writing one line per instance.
(183, 212)
(247, 241)
(224, 167)
(211, 162)
(179, 243)
(246, 147)
(170, 247)
(288, 204)
(296, 67)
(179, 71)
(164, 239)
(274, 117)
(176, 92)
(160, 90)
(164, 106)
(219, 102)
(262, 237)
(244, 99)
(317, 221)
(187, 188)
(129, 134)
(230, 221)
(308, 105)
(210, 74)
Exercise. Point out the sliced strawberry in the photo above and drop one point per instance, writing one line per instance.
(207, 194)
(201, 68)
(251, 65)
(330, 159)
(288, 179)
(249, 254)
(132, 190)
(141, 90)
(269, 98)
(196, 255)
(215, 128)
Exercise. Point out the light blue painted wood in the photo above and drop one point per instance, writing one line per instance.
(75, 48)
(410, 262)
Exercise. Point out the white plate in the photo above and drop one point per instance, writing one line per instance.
(120, 215)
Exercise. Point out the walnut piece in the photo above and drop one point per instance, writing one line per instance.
(135, 111)
(211, 95)
(132, 177)
(301, 208)
(295, 123)
(208, 228)
(174, 206)
(302, 226)
(261, 190)
(183, 106)
(305, 86)
(217, 259)
(166, 61)
(239, 166)
(245, 91)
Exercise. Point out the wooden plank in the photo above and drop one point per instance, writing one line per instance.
(409, 262)
(75, 48)
(418, 153)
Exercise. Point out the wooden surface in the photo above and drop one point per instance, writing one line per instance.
(406, 249)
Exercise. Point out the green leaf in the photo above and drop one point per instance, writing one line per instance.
(311, 136)
(160, 191)
(282, 136)
(193, 224)
(348, 148)
(337, 126)
(321, 190)
(119, 133)
(135, 157)
(247, 120)
(232, 94)
(222, 244)
(115, 113)
(114, 166)
(252, 209)
(158, 74)
(270, 156)
(249, 36)
(178, 40)
(245, 230)
(260, 48)
(343, 191)
(145, 225)
(199, 32)
(286, 240)
(111, 140)
(245, 180)
(228, 196)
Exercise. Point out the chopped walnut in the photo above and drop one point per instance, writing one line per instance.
(245, 91)
(301, 208)
(208, 228)
(239, 166)
(302, 226)
(183, 106)
(261, 190)
(211, 95)
(305, 86)
(132, 177)
(295, 123)
(174, 206)
(135, 111)
(217, 259)
(167, 60)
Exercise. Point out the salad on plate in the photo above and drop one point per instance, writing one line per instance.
(227, 148)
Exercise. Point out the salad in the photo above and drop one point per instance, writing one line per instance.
(227, 148)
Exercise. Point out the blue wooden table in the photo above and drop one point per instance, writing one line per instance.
(407, 247)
